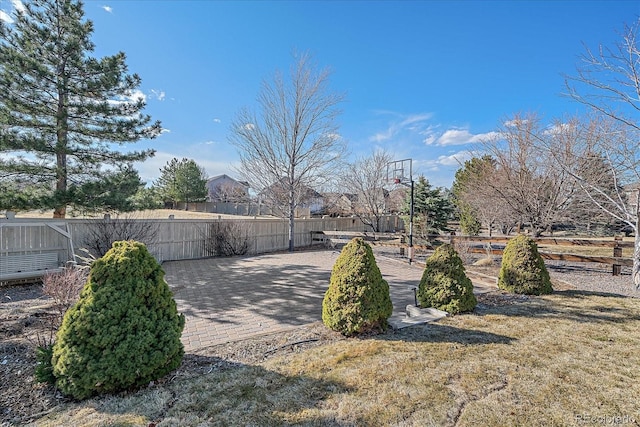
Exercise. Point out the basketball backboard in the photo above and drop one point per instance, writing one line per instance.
(400, 171)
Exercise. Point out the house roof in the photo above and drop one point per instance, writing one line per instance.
(217, 177)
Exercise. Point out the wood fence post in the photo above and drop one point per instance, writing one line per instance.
(617, 252)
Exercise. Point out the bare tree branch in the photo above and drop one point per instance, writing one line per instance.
(366, 179)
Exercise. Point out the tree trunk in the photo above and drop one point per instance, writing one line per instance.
(291, 218)
(62, 127)
(291, 221)
(636, 250)
(636, 261)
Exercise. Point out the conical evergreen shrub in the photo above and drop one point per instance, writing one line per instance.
(523, 270)
(444, 284)
(125, 329)
(358, 297)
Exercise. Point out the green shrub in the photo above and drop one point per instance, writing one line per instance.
(44, 368)
(523, 270)
(444, 284)
(358, 297)
(124, 331)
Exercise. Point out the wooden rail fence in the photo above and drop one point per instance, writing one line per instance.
(617, 261)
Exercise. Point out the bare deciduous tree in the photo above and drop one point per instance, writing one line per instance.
(528, 179)
(477, 199)
(366, 178)
(229, 192)
(608, 81)
(293, 141)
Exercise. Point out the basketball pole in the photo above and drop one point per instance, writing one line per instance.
(411, 226)
(402, 180)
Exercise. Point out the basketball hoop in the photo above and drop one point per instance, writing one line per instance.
(397, 173)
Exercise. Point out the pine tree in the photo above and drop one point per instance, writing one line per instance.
(62, 109)
(182, 181)
(471, 197)
(432, 209)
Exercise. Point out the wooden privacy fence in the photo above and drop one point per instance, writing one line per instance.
(32, 248)
(28, 248)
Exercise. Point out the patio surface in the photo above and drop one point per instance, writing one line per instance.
(229, 299)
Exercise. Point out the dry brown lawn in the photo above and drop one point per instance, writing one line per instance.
(565, 359)
(147, 214)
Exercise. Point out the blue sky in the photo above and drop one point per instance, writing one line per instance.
(423, 79)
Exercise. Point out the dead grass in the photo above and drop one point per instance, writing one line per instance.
(527, 361)
(147, 214)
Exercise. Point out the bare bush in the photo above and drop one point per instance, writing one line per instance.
(226, 239)
(102, 233)
(463, 248)
(64, 287)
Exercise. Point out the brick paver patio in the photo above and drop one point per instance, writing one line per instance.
(229, 299)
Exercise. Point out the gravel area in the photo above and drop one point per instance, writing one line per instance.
(592, 277)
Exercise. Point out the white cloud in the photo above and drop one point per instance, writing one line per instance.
(18, 6)
(515, 123)
(216, 120)
(455, 159)
(460, 137)
(108, 9)
(165, 130)
(157, 94)
(136, 94)
(559, 129)
(411, 122)
(249, 126)
(454, 137)
(430, 134)
(209, 142)
(430, 139)
(132, 96)
(416, 118)
(4, 16)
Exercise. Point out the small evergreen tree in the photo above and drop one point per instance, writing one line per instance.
(523, 270)
(125, 329)
(358, 297)
(444, 284)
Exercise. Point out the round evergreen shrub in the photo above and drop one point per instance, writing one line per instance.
(444, 284)
(358, 297)
(523, 270)
(125, 329)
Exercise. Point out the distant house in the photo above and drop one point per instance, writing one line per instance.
(396, 200)
(338, 204)
(223, 188)
(277, 197)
